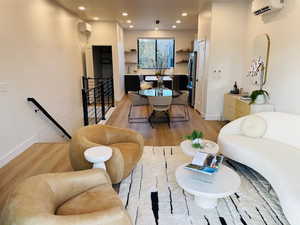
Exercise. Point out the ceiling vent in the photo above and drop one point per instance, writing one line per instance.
(260, 7)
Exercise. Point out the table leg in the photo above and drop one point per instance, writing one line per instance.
(206, 203)
(100, 165)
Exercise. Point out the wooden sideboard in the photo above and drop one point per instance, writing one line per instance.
(235, 108)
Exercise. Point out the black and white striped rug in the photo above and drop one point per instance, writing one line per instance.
(152, 197)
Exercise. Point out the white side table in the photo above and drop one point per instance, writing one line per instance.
(209, 147)
(98, 155)
(207, 190)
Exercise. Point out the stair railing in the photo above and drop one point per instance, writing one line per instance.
(44, 111)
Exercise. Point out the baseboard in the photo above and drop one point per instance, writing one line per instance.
(107, 115)
(212, 117)
(18, 150)
(202, 114)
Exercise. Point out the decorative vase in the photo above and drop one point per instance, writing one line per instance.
(160, 82)
(260, 99)
(197, 141)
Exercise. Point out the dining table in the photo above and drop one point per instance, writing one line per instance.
(159, 92)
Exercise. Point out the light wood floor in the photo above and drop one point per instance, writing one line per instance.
(162, 135)
(53, 157)
(38, 159)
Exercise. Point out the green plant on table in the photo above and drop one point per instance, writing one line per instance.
(256, 93)
(196, 138)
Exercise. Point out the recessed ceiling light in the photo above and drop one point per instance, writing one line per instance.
(174, 26)
(178, 21)
(131, 26)
(96, 18)
(128, 21)
(156, 28)
(184, 14)
(124, 14)
(81, 8)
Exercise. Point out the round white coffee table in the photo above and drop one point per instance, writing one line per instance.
(98, 155)
(209, 147)
(207, 189)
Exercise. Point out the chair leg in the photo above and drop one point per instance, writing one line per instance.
(169, 120)
(150, 117)
(129, 113)
(187, 112)
(147, 107)
(136, 119)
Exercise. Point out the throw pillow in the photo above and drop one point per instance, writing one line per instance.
(254, 126)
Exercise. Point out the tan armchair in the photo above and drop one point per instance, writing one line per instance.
(127, 146)
(73, 198)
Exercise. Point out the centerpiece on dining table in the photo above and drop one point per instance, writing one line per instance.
(160, 67)
(159, 73)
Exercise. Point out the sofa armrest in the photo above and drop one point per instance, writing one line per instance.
(110, 216)
(232, 128)
(67, 185)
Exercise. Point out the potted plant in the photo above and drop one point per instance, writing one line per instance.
(196, 137)
(259, 97)
(258, 73)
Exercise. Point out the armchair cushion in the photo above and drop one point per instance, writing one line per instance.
(130, 153)
(99, 198)
(127, 148)
(36, 201)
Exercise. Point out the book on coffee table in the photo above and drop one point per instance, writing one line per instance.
(205, 163)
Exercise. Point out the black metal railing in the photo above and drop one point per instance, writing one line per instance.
(97, 98)
(45, 112)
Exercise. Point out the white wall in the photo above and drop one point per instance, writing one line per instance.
(40, 57)
(183, 40)
(110, 33)
(226, 61)
(231, 35)
(284, 71)
(121, 55)
(204, 33)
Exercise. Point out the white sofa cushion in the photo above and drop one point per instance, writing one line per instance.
(253, 126)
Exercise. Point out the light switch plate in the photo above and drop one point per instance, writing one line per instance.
(3, 87)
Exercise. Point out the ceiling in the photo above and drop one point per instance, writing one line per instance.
(142, 13)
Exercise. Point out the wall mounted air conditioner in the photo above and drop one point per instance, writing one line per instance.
(260, 7)
(85, 27)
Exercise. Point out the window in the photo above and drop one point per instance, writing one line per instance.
(156, 53)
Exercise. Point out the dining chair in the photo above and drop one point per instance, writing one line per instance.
(182, 100)
(136, 101)
(144, 85)
(160, 104)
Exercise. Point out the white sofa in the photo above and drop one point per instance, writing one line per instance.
(276, 156)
